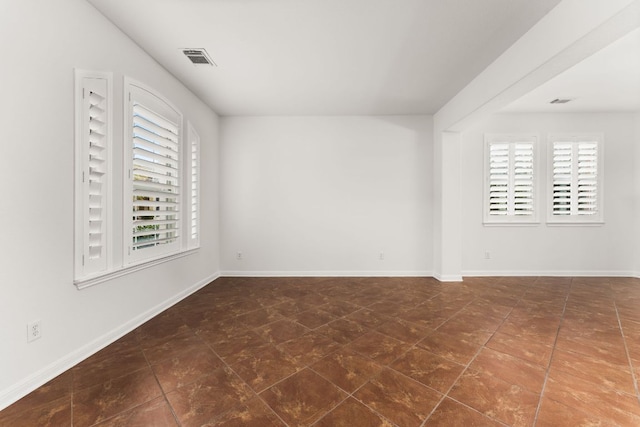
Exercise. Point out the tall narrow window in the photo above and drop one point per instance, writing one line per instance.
(154, 177)
(194, 196)
(93, 145)
(510, 179)
(576, 178)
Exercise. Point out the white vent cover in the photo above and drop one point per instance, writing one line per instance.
(561, 101)
(198, 56)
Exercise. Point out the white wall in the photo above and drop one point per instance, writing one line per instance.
(636, 196)
(548, 250)
(41, 42)
(325, 195)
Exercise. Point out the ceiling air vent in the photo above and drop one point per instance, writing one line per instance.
(198, 56)
(560, 101)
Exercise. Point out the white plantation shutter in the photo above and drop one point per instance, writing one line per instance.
(194, 196)
(93, 136)
(510, 182)
(576, 178)
(154, 177)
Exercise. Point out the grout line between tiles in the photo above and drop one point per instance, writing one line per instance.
(553, 349)
(626, 349)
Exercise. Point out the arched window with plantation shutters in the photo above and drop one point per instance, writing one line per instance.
(154, 169)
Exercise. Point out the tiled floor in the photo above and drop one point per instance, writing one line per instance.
(365, 352)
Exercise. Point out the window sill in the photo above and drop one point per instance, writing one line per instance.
(103, 277)
(511, 223)
(575, 223)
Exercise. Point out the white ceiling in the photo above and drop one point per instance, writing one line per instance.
(609, 80)
(326, 57)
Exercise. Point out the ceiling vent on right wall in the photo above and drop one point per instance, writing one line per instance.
(561, 101)
(198, 57)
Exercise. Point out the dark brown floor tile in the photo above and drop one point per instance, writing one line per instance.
(456, 349)
(100, 402)
(496, 399)
(263, 316)
(510, 369)
(288, 308)
(253, 413)
(156, 413)
(313, 318)
(606, 404)
(352, 413)
(177, 345)
(387, 308)
(56, 413)
(185, 368)
(281, 331)
(340, 308)
(98, 370)
(521, 347)
(221, 331)
(426, 317)
(343, 331)
(429, 369)
(241, 346)
(605, 345)
(58, 388)
(347, 369)
(366, 318)
(403, 401)
(451, 413)
(161, 328)
(596, 371)
(204, 400)
(303, 398)
(263, 369)
(467, 324)
(554, 414)
(541, 330)
(379, 347)
(309, 348)
(403, 331)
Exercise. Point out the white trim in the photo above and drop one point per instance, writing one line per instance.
(236, 273)
(551, 273)
(448, 277)
(85, 283)
(46, 374)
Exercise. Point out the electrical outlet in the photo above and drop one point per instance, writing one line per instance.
(34, 330)
(487, 255)
(239, 256)
(381, 256)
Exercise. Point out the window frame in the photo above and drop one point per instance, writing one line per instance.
(192, 190)
(575, 138)
(511, 139)
(119, 210)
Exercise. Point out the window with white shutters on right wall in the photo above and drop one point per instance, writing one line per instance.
(575, 178)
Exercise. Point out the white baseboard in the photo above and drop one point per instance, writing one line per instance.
(551, 273)
(237, 273)
(448, 277)
(46, 374)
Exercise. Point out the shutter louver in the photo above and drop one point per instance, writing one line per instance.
(587, 179)
(523, 179)
(95, 176)
(575, 178)
(155, 179)
(511, 179)
(194, 189)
